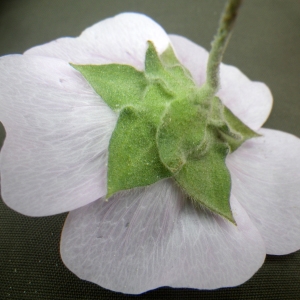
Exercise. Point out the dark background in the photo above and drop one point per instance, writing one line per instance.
(265, 46)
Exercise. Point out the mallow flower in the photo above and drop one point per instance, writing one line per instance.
(143, 192)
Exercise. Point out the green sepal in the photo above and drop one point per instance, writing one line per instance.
(155, 100)
(228, 128)
(118, 85)
(170, 60)
(168, 69)
(206, 181)
(133, 159)
(180, 133)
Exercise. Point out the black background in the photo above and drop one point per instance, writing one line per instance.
(265, 46)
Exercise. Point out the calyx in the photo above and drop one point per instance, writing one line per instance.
(167, 127)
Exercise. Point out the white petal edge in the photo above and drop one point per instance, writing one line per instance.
(120, 39)
(153, 237)
(265, 174)
(249, 100)
(57, 131)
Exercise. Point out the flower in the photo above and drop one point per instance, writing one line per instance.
(54, 160)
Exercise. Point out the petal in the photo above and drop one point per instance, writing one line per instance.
(121, 39)
(248, 100)
(53, 159)
(265, 180)
(152, 237)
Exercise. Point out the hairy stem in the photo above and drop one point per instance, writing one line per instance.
(219, 45)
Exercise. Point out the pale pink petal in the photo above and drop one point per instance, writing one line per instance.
(58, 129)
(248, 100)
(153, 236)
(121, 39)
(266, 181)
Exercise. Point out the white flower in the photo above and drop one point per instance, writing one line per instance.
(55, 154)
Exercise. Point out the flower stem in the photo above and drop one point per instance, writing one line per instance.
(219, 44)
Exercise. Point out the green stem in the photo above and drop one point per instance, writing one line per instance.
(219, 44)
